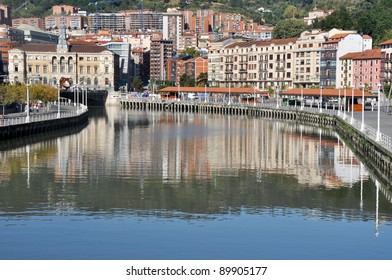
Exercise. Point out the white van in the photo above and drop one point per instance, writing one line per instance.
(192, 96)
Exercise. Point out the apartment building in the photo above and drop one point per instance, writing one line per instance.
(338, 44)
(176, 67)
(307, 58)
(137, 20)
(107, 21)
(386, 51)
(362, 68)
(5, 15)
(260, 64)
(36, 22)
(63, 10)
(73, 22)
(161, 51)
(172, 28)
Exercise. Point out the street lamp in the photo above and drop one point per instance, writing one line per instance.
(363, 108)
(58, 100)
(339, 102)
(352, 105)
(344, 103)
(277, 96)
(378, 135)
(321, 99)
(302, 98)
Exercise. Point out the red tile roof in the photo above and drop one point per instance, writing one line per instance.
(325, 92)
(368, 54)
(387, 42)
(85, 48)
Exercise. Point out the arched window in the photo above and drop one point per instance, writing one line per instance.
(54, 64)
(70, 65)
(62, 64)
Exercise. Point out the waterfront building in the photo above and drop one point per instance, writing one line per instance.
(161, 51)
(141, 63)
(36, 22)
(123, 50)
(362, 69)
(386, 51)
(260, 64)
(215, 58)
(193, 67)
(339, 43)
(307, 58)
(90, 65)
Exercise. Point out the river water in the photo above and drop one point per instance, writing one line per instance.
(162, 185)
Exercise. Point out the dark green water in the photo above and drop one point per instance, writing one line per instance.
(152, 185)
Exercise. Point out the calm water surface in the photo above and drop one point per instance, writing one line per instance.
(152, 185)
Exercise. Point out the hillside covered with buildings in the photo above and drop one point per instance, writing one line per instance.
(129, 48)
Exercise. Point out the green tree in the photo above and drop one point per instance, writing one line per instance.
(290, 12)
(202, 79)
(289, 28)
(187, 81)
(137, 84)
(190, 51)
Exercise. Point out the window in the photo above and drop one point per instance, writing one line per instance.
(36, 68)
(16, 68)
(30, 68)
(95, 69)
(106, 69)
(81, 69)
(88, 69)
(45, 69)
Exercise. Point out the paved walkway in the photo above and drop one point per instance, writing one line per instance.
(371, 120)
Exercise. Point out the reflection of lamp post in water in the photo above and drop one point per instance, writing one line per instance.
(27, 101)
(58, 100)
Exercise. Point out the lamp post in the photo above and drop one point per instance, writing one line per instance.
(378, 135)
(277, 96)
(344, 103)
(321, 99)
(302, 98)
(58, 100)
(363, 108)
(339, 102)
(352, 105)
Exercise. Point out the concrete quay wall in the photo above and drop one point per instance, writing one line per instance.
(37, 127)
(376, 157)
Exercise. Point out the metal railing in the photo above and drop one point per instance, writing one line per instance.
(66, 111)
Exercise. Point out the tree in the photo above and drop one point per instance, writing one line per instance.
(202, 79)
(290, 12)
(289, 28)
(190, 51)
(137, 84)
(187, 81)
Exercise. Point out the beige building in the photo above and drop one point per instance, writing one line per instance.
(260, 64)
(91, 65)
(307, 58)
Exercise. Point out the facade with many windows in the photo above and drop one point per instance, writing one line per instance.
(258, 64)
(89, 65)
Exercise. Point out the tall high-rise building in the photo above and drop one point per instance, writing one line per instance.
(5, 15)
(160, 52)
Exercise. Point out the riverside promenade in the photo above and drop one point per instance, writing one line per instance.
(52, 117)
